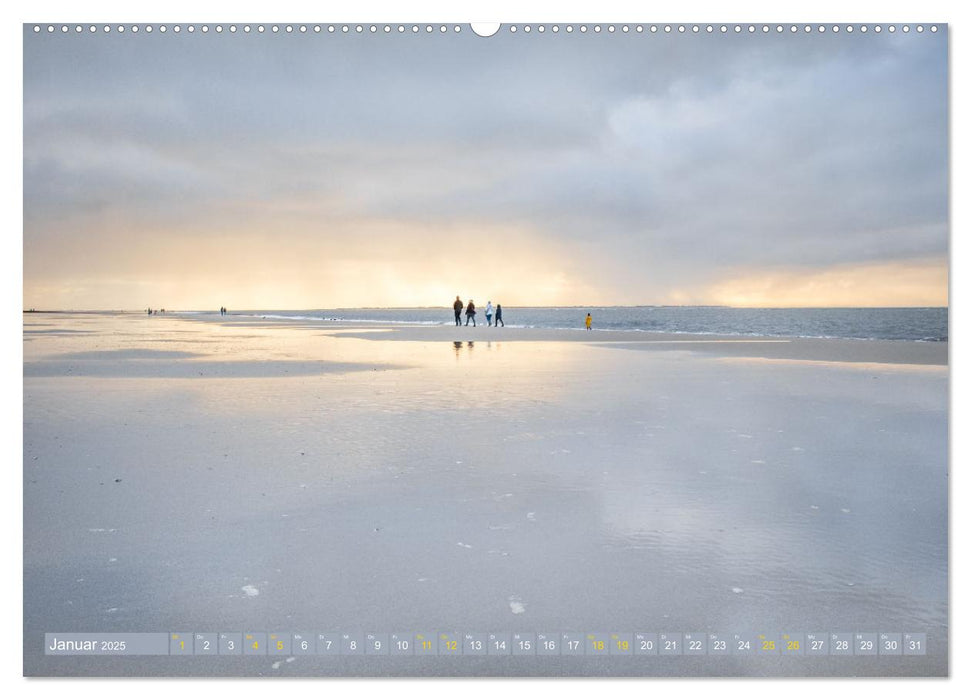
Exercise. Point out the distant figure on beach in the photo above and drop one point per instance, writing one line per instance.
(489, 312)
(149, 310)
(458, 311)
(589, 321)
(499, 316)
(470, 313)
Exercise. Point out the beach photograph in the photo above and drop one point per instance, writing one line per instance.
(524, 350)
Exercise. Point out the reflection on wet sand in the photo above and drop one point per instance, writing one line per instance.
(560, 485)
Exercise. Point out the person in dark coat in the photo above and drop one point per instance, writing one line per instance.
(458, 311)
(470, 313)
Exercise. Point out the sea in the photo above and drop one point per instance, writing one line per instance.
(915, 324)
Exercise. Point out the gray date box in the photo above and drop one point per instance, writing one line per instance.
(230, 644)
(205, 643)
(180, 644)
(254, 643)
(572, 644)
(500, 644)
(328, 643)
(841, 644)
(792, 644)
(695, 644)
(745, 644)
(865, 643)
(303, 644)
(426, 644)
(278, 644)
(817, 644)
(670, 644)
(524, 644)
(547, 644)
(719, 645)
(401, 644)
(891, 644)
(915, 644)
(475, 644)
(621, 643)
(449, 644)
(645, 643)
(352, 644)
(597, 644)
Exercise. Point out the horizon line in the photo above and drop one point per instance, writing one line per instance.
(449, 308)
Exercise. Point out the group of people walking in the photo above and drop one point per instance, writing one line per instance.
(470, 312)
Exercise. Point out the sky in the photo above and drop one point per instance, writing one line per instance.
(297, 171)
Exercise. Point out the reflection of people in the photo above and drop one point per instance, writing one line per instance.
(470, 313)
(499, 316)
(458, 311)
(489, 312)
(589, 321)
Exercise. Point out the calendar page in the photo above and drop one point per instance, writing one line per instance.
(517, 349)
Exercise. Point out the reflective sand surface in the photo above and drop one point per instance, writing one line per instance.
(206, 476)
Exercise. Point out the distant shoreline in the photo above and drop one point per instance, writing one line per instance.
(629, 324)
(448, 308)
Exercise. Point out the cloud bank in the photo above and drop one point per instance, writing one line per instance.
(303, 171)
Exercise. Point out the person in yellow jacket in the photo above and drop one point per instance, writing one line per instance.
(589, 321)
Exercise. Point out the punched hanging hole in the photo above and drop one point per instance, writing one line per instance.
(485, 29)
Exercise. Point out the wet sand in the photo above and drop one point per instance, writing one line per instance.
(225, 474)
